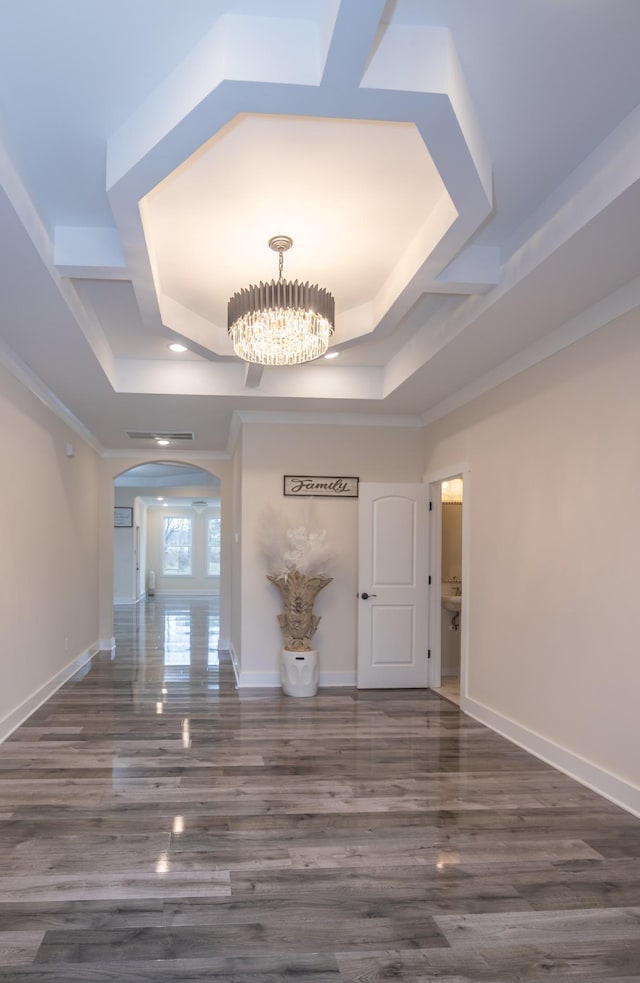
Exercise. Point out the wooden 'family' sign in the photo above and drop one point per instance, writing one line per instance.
(320, 487)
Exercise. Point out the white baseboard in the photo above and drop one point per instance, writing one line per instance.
(22, 712)
(616, 790)
(270, 680)
(337, 678)
(186, 592)
(258, 680)
(107, 644)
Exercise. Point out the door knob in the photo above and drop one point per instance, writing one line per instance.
(365, 596)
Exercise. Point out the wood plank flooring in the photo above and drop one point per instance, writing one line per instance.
(158, 825)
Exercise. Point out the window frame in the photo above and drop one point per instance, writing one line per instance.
(188, 547)
(210, 519)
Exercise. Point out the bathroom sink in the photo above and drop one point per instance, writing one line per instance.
(451, 602)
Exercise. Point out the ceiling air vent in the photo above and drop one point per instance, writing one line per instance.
(158, 435)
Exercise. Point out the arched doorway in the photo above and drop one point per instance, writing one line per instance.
(167, 531)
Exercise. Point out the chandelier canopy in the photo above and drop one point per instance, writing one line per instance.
(281, 323)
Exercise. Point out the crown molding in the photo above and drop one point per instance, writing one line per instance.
(28, 378)
(329, 419)
(182, 456)
(626, 299)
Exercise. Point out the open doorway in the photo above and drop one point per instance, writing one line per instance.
(451, 587)
(168, 539)
(449, 570)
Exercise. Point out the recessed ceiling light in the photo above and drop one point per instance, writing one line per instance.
(177, 347)
(332, 354)
(160, 498)
(161, 442)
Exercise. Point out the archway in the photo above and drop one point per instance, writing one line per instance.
(167, 531)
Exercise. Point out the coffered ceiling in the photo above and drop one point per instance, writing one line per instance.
(462, 176)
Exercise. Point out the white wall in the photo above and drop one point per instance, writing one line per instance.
(49, 569)
(270, 451)
(124, 580)
(129, 582)
(553, 616)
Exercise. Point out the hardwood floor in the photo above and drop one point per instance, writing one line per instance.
(157, 824)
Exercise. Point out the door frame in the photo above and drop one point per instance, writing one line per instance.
(434, 480)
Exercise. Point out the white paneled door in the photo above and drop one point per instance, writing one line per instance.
(393, 523)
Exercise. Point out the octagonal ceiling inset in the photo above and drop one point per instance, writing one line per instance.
(350, 193)
(395, 120)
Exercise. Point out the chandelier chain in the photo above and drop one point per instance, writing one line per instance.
(280, 244)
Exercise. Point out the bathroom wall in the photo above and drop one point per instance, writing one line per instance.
(451, 568)
(451, 541)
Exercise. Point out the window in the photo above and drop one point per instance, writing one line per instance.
(176, 557)
(213, 547)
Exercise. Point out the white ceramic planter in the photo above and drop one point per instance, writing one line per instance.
(299, 672)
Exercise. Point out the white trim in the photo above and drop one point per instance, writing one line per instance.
(24, 710)
(107, 645)
(435, 570)
(444, 474)
(329, 419)
(259, 680)
(271, 680)
(234, 660)
(626, 299)
(179, 455)
(235, 428)
(467, 585)
(611, 787)
(196, 591)
(287, 417)
(25, 375)
(433, 479)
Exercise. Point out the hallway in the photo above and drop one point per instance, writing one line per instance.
(158, 824)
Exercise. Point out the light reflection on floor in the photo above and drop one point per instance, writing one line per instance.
(169, 646)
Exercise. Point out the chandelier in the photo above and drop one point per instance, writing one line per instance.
(281, 323)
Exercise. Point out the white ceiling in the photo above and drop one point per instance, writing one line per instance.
(463, 176)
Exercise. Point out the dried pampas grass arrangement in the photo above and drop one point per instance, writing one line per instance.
(296, 546)
(298, 556)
